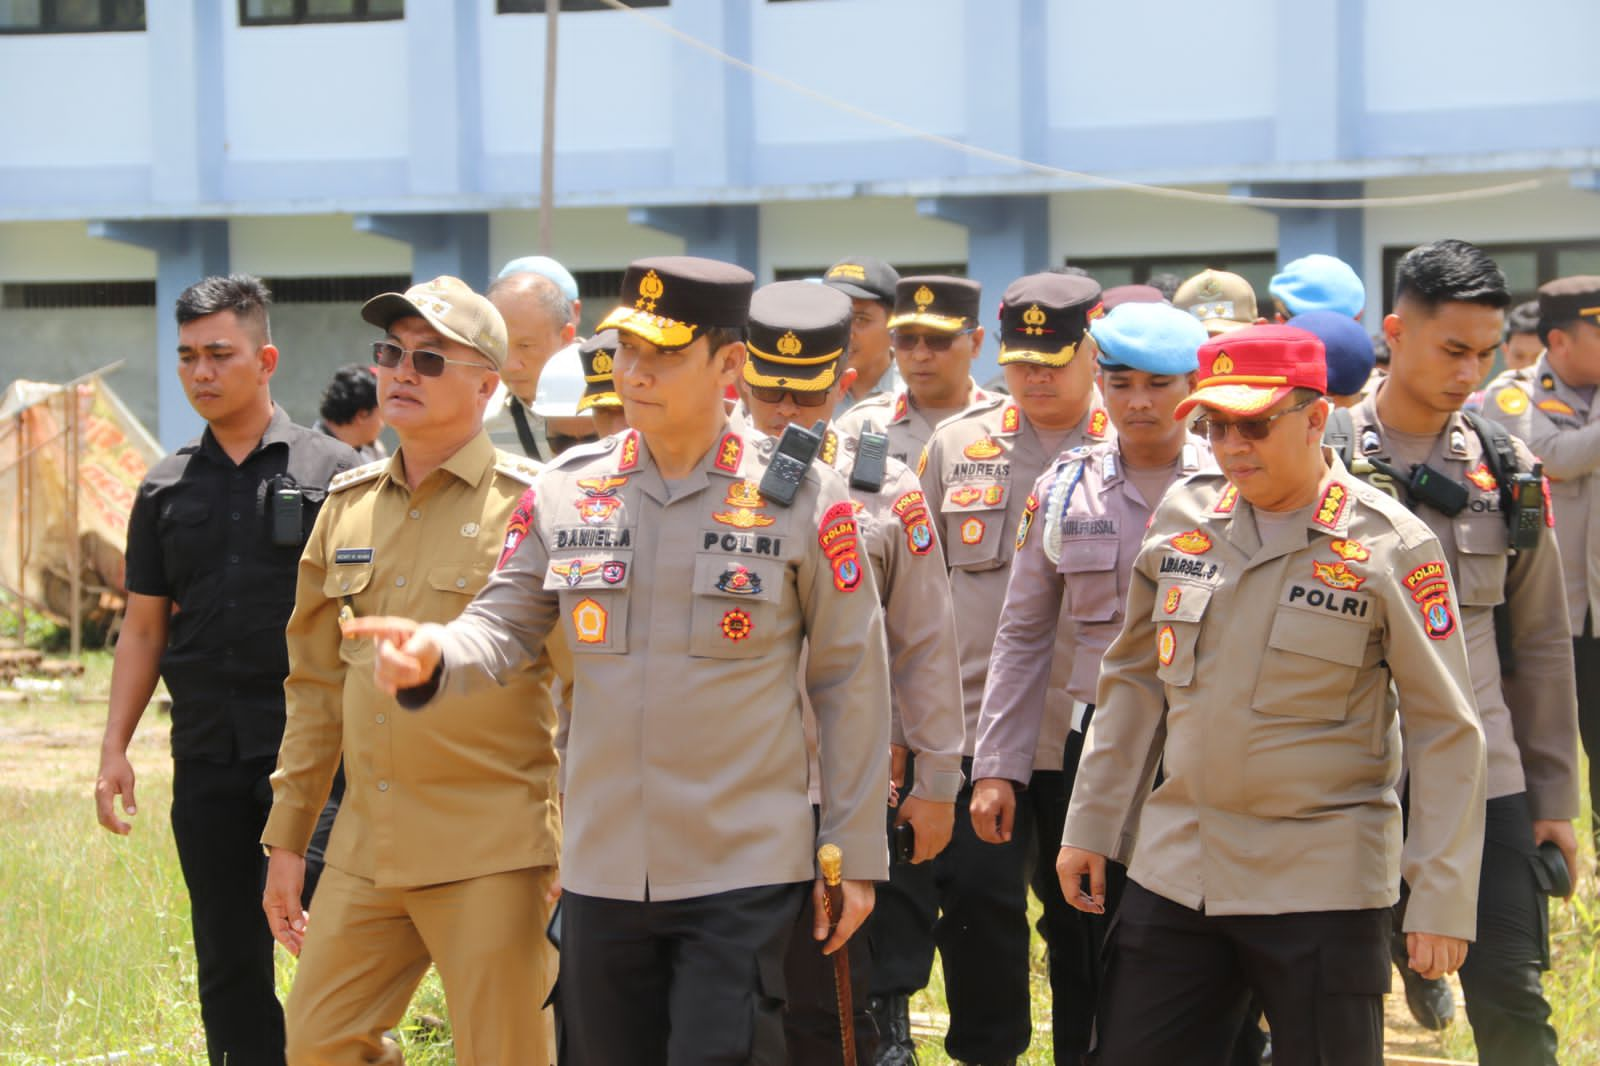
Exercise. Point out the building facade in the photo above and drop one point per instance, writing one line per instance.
(338, 147)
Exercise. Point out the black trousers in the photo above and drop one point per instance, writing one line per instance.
(811, 1020)
(979, 893)
(1586, 657)
(1502, 975)
(218, 813)
(693, 982)
(1178, 984)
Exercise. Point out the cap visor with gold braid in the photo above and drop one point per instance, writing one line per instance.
(948, 304)
(598, 355)
(798, 331)
(1246, 371)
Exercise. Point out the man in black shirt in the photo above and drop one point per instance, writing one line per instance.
(213, 545)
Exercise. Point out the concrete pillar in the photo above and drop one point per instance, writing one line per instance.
(440, 244)
(729, 232)
(186, 251)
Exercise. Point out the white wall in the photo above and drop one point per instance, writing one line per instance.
(312, 245)
(315, 92)
(612, 80)
(818, 234)
(1095, 224)
(74, 100)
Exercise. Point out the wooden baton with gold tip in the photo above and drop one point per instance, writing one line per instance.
(830, 860)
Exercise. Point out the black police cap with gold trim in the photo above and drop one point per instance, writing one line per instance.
(1569, 299)
(670, 300)
(1043, 317)
(798, 330)
(936, 300)
(598, 354)
(861, 277)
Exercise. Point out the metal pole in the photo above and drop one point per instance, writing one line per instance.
(75, 547)
(547, 146)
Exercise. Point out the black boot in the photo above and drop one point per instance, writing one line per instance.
(891, 1015)
(1431, 1003)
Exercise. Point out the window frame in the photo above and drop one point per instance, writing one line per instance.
(49, 25)
(360, 13)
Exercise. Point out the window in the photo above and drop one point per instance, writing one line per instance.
(1526, 266)
(58, 295)
(71, 16)
(958, 270)
(536, 7)
(293, 12)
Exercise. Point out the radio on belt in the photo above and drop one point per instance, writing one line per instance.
(796, 450)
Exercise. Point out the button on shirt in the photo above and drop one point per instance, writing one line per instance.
(200, 534)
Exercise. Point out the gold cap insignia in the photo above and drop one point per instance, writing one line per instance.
(1210, 288)
(1033, 320)
(1223, 364)
(602, 363)
(650, 290)
(923, 297)
(789, 344)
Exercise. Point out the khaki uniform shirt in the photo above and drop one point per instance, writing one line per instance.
(1530, 719)
(906, 424)
(1069, 579)
(1563, 429)
(685, 607)
(1259, 673)
(919, 622)
(462, 789)
(978, 468)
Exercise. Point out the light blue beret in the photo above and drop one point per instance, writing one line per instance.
(1155, 338)
(1319, 283)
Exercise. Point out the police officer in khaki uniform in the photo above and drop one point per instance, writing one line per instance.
(976, 473)
(600, 398)
(1412, 441)
(935, 335)
(797, 368)
(1069, 579)
(448, 837)
(1266, 617)
(870, 283)
(1550, 405)
(686, 590)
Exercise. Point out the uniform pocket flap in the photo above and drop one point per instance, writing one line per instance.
(602, 570)
(345, 579)
(1180, 601)
(186, 512)
(1081, 555)
(466, 578)
(740, 579)
(1329, 637)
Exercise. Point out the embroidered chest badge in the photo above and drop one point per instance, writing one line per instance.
(1192, 542)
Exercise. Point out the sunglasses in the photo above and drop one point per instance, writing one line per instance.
(937, 343)
(769, 394)
(428, 364)
(1250, 429)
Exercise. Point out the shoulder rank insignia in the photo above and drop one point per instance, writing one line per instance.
(830, 448)
(1511, 400)
(1547, 382)
(1335, 498)
(357, 475)
(1192, 542)
(1097, 423)
(517, 528)
(630, 452)
(982, 448)
(1010, 419)
(1556, 407)
(729, 449)
(900, 407)
(1227, 501)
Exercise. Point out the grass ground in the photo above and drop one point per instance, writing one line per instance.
(95, 955)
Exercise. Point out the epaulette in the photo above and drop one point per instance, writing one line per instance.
(977, 407)
(517, 467)
(357, 475)
(591, 450)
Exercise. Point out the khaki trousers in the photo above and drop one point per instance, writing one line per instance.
(367, 949)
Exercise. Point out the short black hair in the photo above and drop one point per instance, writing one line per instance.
(246, 295)
(719, 337)
(1166, 284)
(1450, 271)
(352, 392)
(1523, 318)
